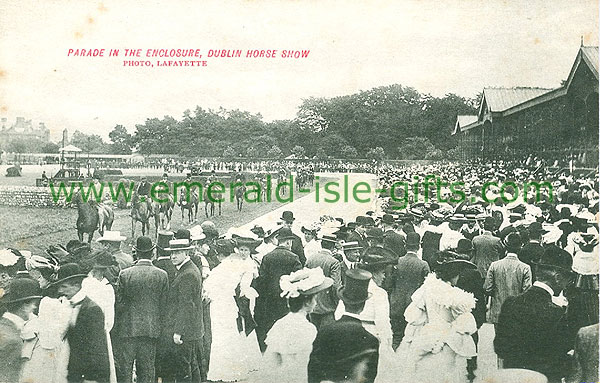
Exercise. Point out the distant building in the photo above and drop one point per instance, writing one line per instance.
(23, 130)
(550, 123)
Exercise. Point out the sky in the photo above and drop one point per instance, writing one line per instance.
(436, 47)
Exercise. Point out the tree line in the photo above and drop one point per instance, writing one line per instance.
(393, 122)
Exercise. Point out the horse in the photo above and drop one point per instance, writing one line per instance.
(191, 205)
(216, 197)
(239, 196)
(162, 212)
(140, 212)
(89, 220)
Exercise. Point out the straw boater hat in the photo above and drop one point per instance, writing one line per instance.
(352, 245)
(111, 236)
(179, 244)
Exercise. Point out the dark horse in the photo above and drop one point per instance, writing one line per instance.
(140, 212)
(88, 219)
(191, 204)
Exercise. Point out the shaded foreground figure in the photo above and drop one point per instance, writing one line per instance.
(532, 330)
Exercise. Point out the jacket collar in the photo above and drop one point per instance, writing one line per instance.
(143, 262)
(15, 319)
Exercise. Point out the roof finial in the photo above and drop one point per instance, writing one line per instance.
(581, 40)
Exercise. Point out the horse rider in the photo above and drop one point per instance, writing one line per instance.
(143, 190)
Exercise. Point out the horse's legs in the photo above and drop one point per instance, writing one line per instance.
(219, 208)
(206, 209)
(80, 235)
(90, 236)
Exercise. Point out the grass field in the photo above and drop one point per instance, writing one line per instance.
(35, 229)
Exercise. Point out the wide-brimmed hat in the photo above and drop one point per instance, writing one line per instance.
(21, 289)
(67, 272)
(285, 233)
(111, 236)
(179, 244)
(555, 258)
(209, 229)
(312, 228)
(287, 216)
(304, 282)
(224, 246)
(250, 243)
(375, 258)
(144, 245)
(454, 266)
(352, 245)
(355, 290)
(196, 233)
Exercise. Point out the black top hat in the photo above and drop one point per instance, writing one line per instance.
(144, 244)
(285, 233)
(21, 289)
(355, 290)
(375, 258)
(413, 239)
(183, 234)
(287, 216)
(67, 272)
(388, 219)
(513, 242)
(464, 246)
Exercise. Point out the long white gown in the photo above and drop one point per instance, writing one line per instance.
(233, 355)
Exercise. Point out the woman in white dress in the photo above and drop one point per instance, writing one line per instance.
(45, 348)
(437, 340)
(290, 340)
(234, 350)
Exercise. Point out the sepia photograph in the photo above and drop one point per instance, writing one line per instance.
(277, 191)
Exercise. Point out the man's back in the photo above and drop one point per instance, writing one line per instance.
(487, 250)
(506, 278)
(184, 313)
(142, 296)
(532, 334)
(409, 276)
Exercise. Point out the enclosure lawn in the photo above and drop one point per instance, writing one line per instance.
(35, 229)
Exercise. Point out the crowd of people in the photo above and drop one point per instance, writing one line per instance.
(396, 295)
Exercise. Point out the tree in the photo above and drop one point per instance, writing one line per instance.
(414, 148)
(321, 154)
(298, 151)
(274, 152)
(376, 154)
(349, 152)
(91, 143)
(17, 146)
(252, 152)
(50, 147)
(121, 140)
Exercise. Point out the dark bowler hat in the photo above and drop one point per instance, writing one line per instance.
(355, 290)
(287, 216)
(67, 272)
(555, 258)
(361, 220)
(536, 228)
(374, 232)
(144, 244)
(285, 233)
(183, 234)
(513, 242)
(388, 219)
(375, 258)
(21, 289)
(413, 239)
(464, 246)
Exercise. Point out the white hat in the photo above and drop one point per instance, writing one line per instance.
(196, 233)
(179, 244)
(111, 236)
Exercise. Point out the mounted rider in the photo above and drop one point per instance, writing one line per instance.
(143, 190)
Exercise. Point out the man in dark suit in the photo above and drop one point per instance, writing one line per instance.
(344, 351)
(326, 301)
(287, 217)
(163, 257)
(88, 355)
(488, 248)
(409, 276)
(141, 297)
(358, 234)
(392, 240)
(533, 250)
(270, 306)
(586, 355)
(183, 327)
(532, 331)
(21, 299)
